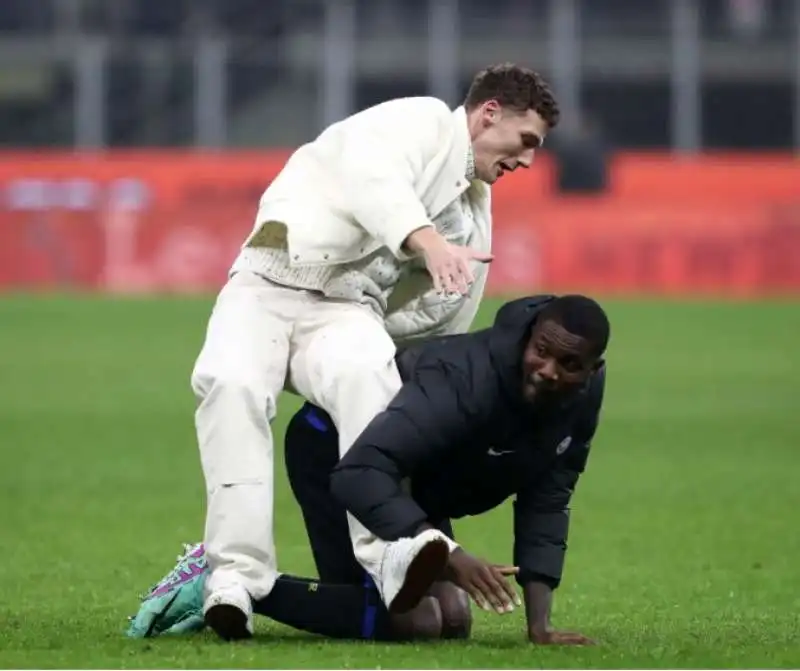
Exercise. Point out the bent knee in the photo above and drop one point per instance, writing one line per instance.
(224, 383)
(457, 623)
(362, 368)
(456, 612)
(422, 623)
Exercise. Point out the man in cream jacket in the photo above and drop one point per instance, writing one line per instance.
(377, 231)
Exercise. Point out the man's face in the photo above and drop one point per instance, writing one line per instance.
(555, 362)
(504, 139)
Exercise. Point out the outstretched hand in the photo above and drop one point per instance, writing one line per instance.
(449, 267)
(447, 264)
(485, 583)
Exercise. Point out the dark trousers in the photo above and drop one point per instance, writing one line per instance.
(311, 450)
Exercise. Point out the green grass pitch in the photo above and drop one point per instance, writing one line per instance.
(685, 544)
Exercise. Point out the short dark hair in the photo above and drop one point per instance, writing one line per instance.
(581, 316)
(515, 87)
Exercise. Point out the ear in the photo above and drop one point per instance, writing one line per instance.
(491, 111)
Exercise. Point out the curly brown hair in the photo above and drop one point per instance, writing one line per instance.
(515, 87)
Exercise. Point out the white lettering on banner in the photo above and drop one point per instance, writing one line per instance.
(74, 194)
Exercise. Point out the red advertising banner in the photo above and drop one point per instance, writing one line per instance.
(679, 248)
(172, 222)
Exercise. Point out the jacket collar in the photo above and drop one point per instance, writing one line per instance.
(462, 159)
(463, 145)
(448, 178)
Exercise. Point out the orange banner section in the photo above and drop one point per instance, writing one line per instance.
(173, 221)
(611, 246)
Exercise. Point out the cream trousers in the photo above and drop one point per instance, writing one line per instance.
(261, 337)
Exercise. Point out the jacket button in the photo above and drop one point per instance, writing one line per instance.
(325, 256)
(296, 257)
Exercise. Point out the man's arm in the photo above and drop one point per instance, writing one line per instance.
(428, 416)
(433, 412)
(381, 160)
(541, 526)
(381, 163)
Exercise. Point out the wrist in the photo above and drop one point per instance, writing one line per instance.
(539, 632)
(451, 544)
(538, 604)
(421, 239)
(539, 628)
(451, 568)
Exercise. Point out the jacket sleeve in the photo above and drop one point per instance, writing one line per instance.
(541, 511)
(381, 161)
(425, 419)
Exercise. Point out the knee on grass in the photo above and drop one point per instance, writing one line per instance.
(422, 623)
(455, 609)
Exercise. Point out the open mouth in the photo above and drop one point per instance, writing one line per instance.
(504, 168)
(540, 383)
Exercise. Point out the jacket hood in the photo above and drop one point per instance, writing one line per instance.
(520, 314)
(509, 337)
(510, 332)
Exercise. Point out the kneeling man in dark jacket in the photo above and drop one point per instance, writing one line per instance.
(506, 411)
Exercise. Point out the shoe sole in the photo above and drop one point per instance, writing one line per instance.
(228, 622)
(424, 570)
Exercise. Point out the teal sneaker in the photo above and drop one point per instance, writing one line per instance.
(175, 604)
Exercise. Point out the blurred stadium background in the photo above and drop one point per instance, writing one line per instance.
(677, 113)
(135, 139)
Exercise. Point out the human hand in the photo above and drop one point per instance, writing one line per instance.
(485, 583)
(447, 264)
